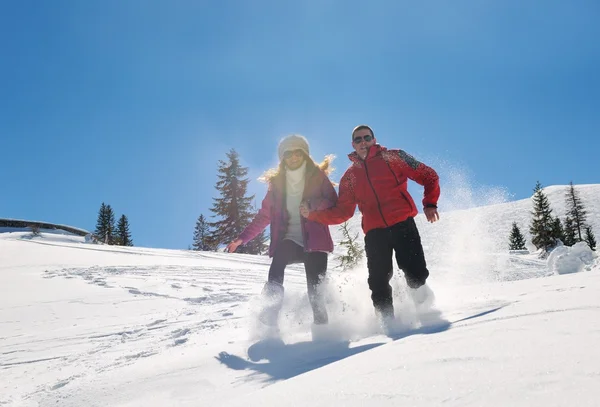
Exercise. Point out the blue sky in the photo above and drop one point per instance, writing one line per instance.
(132, 103)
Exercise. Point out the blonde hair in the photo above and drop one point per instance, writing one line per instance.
(324, 166)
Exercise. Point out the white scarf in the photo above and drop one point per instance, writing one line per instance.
(294, 180)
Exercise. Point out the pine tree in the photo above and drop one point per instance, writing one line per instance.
(558, 232)
(570, 233)
(258, 245)
(542, 222)
(110, 229)
(517, 240)
(589, 238)
(102, 224)
(233, 207)
(576, 211)
(123, 236)
(202, 235)
(353, 252)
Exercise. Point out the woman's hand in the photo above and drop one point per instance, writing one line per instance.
(232, 247)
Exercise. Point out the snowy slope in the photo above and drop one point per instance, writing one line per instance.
(93, 325)
(468, 246)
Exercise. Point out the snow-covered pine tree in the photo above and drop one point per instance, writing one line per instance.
(542, 222)
(202, 235)
(123, 235)
(570, 233)
(576, 211)
(589, 238)
(517, 240)
(233, 207)
(353, 253)
(558, 232)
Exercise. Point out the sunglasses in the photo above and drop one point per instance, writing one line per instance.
(358, 140)
(289, 154)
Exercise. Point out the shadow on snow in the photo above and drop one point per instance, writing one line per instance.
(284, 361)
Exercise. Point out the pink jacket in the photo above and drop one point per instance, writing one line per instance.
(318, 193)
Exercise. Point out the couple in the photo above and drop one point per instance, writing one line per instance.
(301, 202)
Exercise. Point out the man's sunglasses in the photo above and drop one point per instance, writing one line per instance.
(358, 140)
(289, 154)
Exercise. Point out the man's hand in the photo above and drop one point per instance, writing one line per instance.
(304, 211)
(232, 247)
(431, 214)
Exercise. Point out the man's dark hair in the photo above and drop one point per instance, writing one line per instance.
(361, 127)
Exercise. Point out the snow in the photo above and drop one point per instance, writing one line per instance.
(565, 260)
(95, 325)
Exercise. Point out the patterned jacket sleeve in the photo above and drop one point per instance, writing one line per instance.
(260, 221)
(344, 207)
(423, 175)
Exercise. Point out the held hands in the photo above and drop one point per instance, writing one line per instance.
(304, 211)
(431, 214)
(232, 247)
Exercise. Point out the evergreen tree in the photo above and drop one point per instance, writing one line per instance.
(576, 211)
(258, 245)
(589, 238)
(558, 232)
(542, 223)
(110, 222)
(123, 236)
(102, 224)
(517, 240)
(570, 233)
(353, 252)
(202, 235)
(233, 207)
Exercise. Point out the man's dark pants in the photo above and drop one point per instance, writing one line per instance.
(404, 240)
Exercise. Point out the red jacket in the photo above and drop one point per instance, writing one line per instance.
(378, 185)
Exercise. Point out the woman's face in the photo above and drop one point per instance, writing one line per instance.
(293, 159)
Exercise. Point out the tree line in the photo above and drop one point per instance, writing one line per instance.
(548, 230)
(110, 233)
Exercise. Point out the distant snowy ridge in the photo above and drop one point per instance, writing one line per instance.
(25, 224)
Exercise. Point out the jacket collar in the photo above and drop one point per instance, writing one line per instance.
(375, 150)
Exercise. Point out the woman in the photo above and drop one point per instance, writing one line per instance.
(294, 239)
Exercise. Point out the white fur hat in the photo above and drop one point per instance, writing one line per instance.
(291, 143)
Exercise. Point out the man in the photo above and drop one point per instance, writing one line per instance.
(376, 181)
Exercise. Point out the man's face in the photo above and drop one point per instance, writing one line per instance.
(360, 143)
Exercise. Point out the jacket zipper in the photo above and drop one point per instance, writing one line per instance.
(375, 193)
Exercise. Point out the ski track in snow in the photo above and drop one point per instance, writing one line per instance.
(102, 348)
